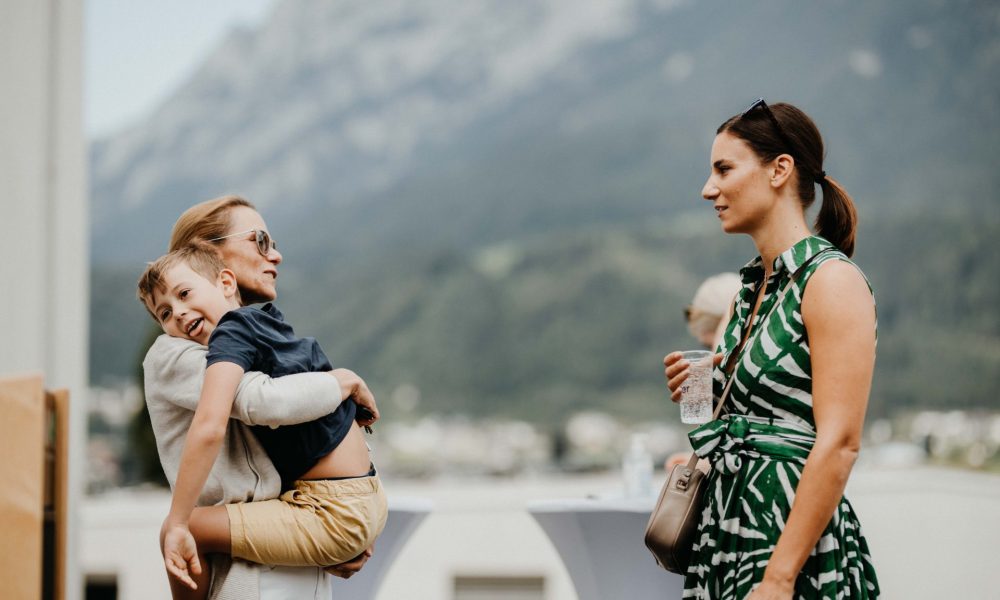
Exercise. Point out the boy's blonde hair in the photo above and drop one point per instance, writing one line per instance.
(200, 256)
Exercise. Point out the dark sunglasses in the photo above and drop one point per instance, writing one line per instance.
(759, 102)
(262, 238)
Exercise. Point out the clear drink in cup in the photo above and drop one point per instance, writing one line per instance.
(696, 391)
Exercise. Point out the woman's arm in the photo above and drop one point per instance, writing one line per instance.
(172, 363)
(275, 401)
(839, 315)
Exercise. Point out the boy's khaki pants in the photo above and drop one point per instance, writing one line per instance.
(317, 523)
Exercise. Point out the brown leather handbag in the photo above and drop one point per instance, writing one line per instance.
(673, 523)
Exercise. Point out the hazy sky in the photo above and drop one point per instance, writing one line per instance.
(138, 51)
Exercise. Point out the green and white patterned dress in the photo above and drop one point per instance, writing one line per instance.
(757, 451)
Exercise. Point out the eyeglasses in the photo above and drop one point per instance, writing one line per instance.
(262, 238)
(777, 126)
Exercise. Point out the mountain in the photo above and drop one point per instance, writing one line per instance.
(401, 151)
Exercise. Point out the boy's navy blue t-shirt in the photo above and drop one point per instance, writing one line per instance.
(259, 339)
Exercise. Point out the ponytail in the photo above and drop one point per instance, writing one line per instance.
(837, 220)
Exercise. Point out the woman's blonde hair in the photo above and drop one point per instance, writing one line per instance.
(205, 221)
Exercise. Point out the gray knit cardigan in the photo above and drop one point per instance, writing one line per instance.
(174, 370)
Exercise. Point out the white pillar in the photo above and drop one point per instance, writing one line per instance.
(44, 267)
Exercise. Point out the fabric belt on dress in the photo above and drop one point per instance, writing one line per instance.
(725, 442)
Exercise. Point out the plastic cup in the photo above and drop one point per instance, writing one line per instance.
(696, 391)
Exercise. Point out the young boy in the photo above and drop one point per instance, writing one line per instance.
(334, 506)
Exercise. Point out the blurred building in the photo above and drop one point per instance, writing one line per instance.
(43, 213)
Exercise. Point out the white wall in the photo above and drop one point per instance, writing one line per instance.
(932, 532)
(43, 211)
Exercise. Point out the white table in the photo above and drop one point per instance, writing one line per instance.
(405, 515)
(600, 540)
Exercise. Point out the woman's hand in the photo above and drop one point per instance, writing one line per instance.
(355, 388)
(771, 589)
(351, 567)
(180, 553)
(675, 369)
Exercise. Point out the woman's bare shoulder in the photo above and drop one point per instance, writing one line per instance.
(837, 287)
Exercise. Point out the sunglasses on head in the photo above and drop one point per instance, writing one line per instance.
(759, 103)
(262, 238)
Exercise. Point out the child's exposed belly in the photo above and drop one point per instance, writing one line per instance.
(349, 459)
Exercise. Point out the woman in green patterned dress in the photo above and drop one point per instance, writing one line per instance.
(775, 523)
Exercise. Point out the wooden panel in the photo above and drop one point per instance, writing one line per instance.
(57, 403)
(22, 471)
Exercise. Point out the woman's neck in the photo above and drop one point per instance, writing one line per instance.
(777, 235)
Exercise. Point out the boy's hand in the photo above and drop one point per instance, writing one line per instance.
(180, 553)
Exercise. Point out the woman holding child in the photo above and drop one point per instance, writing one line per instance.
(800, 349)
(174, 371)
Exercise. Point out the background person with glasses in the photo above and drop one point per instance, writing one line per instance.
(711, 308)
(174, 369)
(775, 523)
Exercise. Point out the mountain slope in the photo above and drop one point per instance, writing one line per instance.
(514, 117)
(401, 151)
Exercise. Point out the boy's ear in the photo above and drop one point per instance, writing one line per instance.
(228, 280)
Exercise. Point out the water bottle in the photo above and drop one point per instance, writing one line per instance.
(637, 468)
